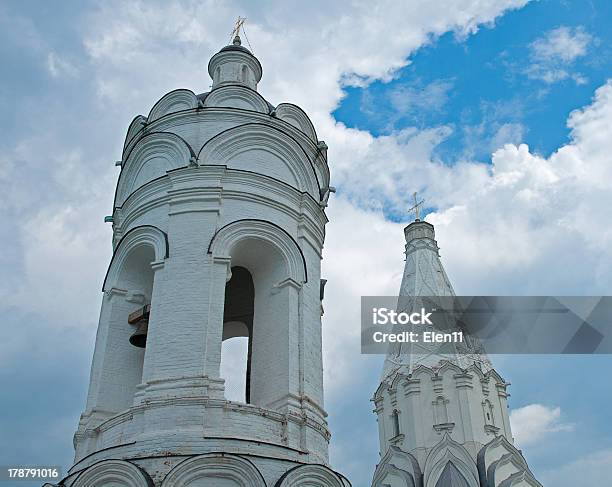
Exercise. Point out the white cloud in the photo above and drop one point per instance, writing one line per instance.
(59, 67)
(362, 257)
(592, 469)
(431, 97)
(553, 54)
(534, 422)
(304, 61)
(563, 43)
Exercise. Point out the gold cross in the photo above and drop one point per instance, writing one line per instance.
(416, 207)
(239, 25)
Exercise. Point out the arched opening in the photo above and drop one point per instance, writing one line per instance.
(236, 348)
(276, 265)
(123, 361)
(244, 75)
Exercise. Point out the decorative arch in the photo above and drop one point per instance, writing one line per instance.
(145, 235)
(214, 466)
(237, 96)
(151, 157)
(172, 102)
(496, 454)
(227, 237)
(381, 474)
(294, 115)
(266, 150)
(310, 476)
(399, 463)
(448, 450)
(114, 472)
(136, 126)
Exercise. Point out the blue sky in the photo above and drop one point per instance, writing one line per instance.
(435, 97)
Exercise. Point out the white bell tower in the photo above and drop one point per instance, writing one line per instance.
(218, 228)
(442, 418)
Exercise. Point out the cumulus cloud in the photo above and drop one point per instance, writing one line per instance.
(534, 422)
(553, 54)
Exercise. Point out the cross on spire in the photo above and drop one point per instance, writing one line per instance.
(416, 207)
(237, 26)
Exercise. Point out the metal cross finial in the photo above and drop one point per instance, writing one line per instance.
(237, 26)
(416, 207)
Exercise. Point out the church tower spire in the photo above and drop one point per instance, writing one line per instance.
(442, 413)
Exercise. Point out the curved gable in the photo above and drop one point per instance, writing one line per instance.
(152, 157)
(397, 468)
(237, 96)
(136, 126)
(214, 469)
(120, 473)
(265, 150)
(175, 101)
(500, 463)
(447, 450)
(310, 476)
(297, 117)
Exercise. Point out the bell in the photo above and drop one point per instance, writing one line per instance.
(139, 338)
(140, 317)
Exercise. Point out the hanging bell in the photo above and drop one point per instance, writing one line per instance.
(139, 338)
(140, 317)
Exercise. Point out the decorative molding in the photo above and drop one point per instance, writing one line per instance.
(444, 427)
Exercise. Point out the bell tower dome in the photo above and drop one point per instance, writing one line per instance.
(218, 229)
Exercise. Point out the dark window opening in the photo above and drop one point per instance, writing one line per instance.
(396, 424)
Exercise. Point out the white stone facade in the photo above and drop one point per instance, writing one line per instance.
(211, 183)
(442, 419)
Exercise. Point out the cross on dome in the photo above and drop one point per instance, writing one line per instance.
(416, 207)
